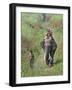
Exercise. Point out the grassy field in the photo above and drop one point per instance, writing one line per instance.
(33, 29)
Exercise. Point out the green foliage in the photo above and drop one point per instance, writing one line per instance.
(31, 39)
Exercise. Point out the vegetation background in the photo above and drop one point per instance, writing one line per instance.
(33, 29)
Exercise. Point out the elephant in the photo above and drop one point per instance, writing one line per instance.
(49, 46)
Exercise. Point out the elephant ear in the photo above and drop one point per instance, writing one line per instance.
(54, 44)
(42, 44)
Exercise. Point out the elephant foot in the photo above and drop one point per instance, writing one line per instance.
(50, 64)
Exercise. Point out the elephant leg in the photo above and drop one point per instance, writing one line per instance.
(47, 51)
(46, 58)
(53, 49)
(52, 56)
